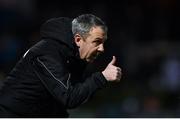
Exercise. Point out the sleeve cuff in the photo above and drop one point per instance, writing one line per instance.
(100, 80)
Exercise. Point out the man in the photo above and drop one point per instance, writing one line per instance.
(49, 78)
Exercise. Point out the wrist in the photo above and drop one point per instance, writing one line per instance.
(103, 73)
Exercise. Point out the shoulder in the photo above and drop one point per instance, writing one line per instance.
(46, 50)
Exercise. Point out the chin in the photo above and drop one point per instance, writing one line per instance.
(90, 60)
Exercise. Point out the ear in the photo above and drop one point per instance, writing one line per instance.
(77, 39)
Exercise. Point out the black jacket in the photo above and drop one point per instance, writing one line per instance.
(48, 79)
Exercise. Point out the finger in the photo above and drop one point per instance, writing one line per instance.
(119, 75)
(119, 69)
(113, 61)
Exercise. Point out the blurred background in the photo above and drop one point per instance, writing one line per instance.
(143, 35)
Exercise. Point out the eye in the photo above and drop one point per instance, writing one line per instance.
(97, 42)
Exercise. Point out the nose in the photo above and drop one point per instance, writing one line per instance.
(101, 48)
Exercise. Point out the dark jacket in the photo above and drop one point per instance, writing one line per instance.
(48, 79)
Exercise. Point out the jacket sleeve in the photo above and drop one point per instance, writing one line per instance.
(53, 74)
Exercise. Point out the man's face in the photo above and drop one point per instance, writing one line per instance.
(91, 46)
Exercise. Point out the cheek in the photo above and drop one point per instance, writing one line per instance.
(84, 47)
(93, 50)
(90, 49)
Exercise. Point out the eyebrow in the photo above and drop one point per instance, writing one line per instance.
(100, 39)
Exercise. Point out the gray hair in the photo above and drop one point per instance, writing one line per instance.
(82, 24)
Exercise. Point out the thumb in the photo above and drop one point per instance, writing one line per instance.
(113, 61)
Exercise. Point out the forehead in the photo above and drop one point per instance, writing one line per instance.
(97, 32)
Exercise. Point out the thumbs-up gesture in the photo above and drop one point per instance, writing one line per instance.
(112, 72)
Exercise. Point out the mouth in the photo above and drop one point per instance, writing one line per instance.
(94, 56)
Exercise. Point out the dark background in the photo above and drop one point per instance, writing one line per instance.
(143, 35)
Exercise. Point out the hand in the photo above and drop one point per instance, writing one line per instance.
(112, 73)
